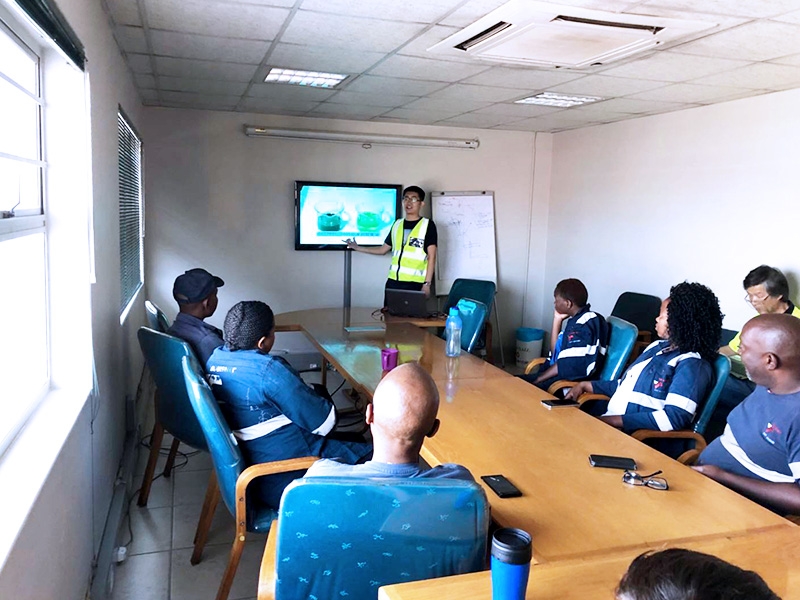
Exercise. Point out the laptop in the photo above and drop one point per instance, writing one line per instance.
(407, 303)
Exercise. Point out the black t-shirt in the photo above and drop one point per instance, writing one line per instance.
(431, 237)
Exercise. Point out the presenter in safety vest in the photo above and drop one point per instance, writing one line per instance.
(413, 244)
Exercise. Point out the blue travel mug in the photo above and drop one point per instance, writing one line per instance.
(511, 563)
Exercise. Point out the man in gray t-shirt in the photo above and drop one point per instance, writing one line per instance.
(402, 414)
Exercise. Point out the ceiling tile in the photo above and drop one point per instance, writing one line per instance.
(144, 81)
(792, 17)
(268, 104)
(140, 63)
(755, 41)
(201, 100)
(203, 86)
(386, 100)
(637, 106)
(457, 105)
(131, 39)
(321, 58)
(477, 92)
(518, 111)
(348, 111)
(412, 67)
(548, 123)
(471, 12)
(529, 79)
(605, 86)
(124, 12)
(280, 3)
(792, 59)
(289, 92)
(348, 32)
(423, 117)
(419, 45)
(668, 66)
(215, 18)
(691, 93)
(148, 95)
(373, 84)
(477, 120)
(763, 76)
(416, 11)
(736, 8)
(203, 47)
(199, 69)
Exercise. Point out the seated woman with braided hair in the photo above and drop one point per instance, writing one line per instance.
(662, 388)
(271, 410)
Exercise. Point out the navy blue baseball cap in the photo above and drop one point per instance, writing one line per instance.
(195, 285)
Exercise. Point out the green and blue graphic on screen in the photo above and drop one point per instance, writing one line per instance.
(328, 213)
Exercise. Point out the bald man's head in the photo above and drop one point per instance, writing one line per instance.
(770, 348)
(404, 406)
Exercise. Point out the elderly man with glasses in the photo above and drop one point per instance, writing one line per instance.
(413, 244)
(767, 291)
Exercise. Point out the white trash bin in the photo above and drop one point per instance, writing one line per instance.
(529, 344)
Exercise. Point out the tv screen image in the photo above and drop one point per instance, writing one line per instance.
(326, 213)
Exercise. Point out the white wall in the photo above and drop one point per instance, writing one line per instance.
(223, 201)
(53, 553)
(702, 195)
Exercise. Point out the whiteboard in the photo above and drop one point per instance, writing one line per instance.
(466, 247)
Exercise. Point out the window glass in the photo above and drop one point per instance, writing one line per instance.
(20, 188)
(17, 64)
(19, 122)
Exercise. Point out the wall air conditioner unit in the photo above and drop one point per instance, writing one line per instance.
(549, 35)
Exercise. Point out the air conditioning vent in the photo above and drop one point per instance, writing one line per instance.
(550, 35)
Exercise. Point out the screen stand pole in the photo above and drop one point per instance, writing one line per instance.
(348, 268)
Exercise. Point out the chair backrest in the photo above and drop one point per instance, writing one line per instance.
(163, 354)
(620, 343)
(345, 537)
(473, 316)
(477, 289)
(156, 318)
(722, 367)
(222, 445)
(639, 309)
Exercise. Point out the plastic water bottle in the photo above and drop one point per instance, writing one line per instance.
(452, 333)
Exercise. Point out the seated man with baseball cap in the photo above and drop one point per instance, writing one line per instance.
(196, 294)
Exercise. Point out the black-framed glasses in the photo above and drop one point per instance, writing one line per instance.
(411, 199)
(651, 481)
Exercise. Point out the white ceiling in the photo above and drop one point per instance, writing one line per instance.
(214, 54)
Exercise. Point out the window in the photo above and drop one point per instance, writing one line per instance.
(131, 249)
(24, 351)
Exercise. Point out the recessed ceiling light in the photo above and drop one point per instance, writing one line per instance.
(309, 78)
(560, 100)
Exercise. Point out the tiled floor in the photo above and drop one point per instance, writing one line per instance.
(157, 566)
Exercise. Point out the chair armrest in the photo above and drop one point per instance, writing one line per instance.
(534, 363)
(259, 470)
(588, 397)
(688, 457)
(560, 385)
(266, 577)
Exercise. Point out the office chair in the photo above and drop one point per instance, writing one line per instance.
(173, 412)
(641, 310)
(482, 291)
(340, 537)
(620, 344)
(156, 319)
(231, 474)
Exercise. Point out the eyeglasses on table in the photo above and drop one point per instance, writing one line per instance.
(651, 481)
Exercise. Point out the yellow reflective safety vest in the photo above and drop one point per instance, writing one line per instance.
(409, 260)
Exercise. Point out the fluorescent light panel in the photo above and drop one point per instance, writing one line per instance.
(365, 139)
(307, 78)
(560, 100)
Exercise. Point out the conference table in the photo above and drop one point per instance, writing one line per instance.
(494, 423)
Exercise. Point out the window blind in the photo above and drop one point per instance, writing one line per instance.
(130, 212)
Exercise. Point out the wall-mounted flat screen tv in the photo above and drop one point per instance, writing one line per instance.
(326, 214)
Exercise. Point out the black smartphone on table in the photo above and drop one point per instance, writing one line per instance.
(551, 404)
(501, 486)
(612, 462)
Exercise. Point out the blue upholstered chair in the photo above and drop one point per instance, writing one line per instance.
(345, 537)
(695, 443)
(482, 291)
(156, 318)
(473, 315)
(620, 343)
(231, 474)
(173, 413)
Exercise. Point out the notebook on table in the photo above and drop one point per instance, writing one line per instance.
(407, 303)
